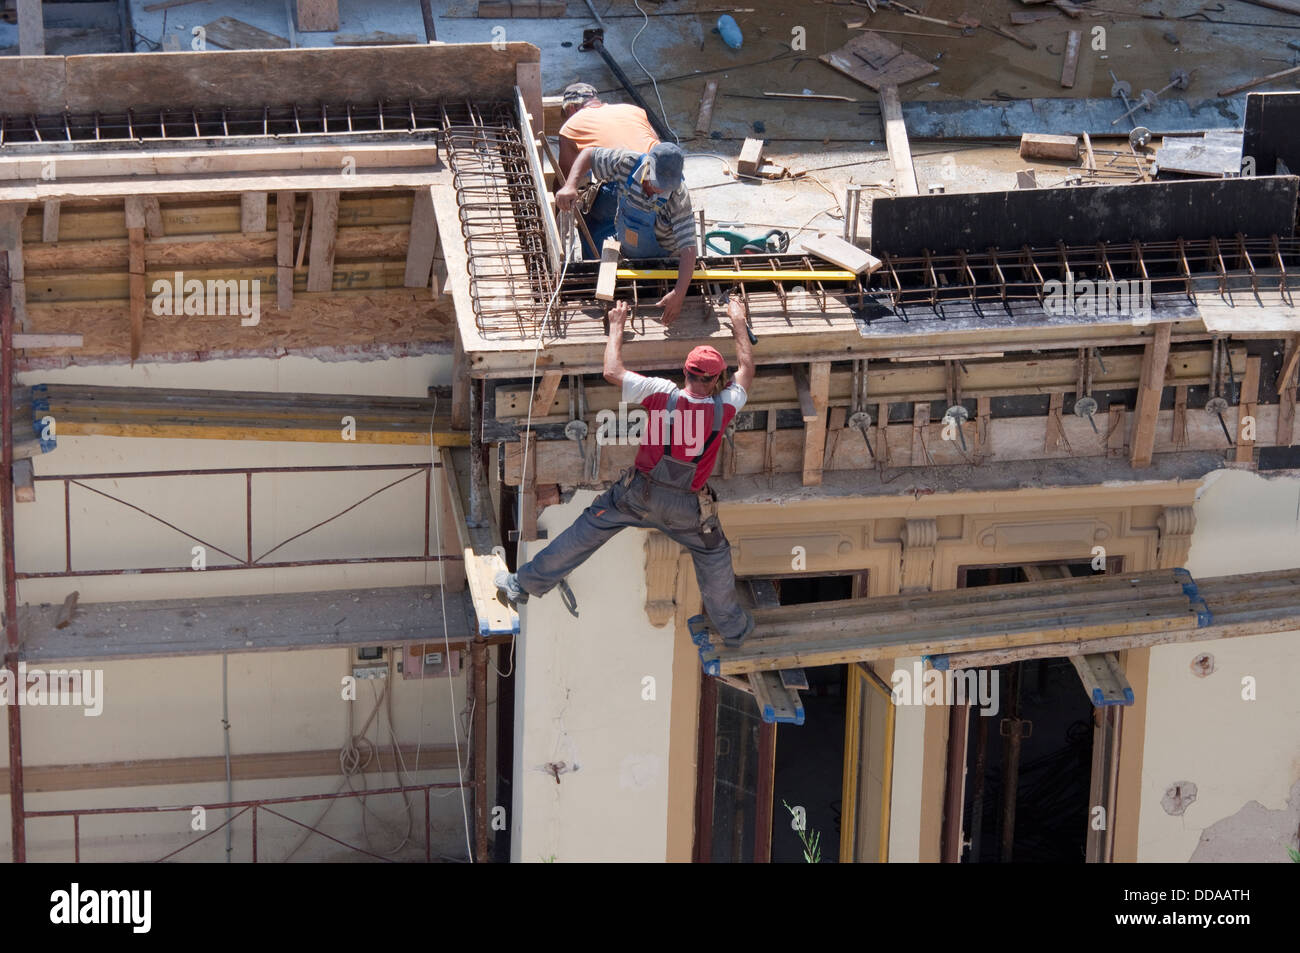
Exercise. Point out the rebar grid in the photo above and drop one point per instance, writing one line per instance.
(510, 276)
(151, 125)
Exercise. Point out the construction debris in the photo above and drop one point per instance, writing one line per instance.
(1037, 145)
(875, 61)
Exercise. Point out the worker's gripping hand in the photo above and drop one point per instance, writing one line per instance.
(738, 313)
(567, 195)
(618, 316)
(672, 305)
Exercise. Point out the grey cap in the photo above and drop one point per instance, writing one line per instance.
(577, 94)
(665, 171)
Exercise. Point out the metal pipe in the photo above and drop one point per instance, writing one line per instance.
(225, 731)
(595, 15)
(19, 832)
(595, 40)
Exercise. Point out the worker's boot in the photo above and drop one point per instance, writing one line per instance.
(509, 590)
(748, 630)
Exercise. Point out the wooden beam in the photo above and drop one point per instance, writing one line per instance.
(181, 162)
(324, 236)
(814, 439)
(608, 274)
(544, 395)
(50, 221)
(803, 387)
(705, 120)
(1039, 145)
(31, 28)
(135, 270)
(252, 212)
(1286, 392)
(423, 244)
(285, 210)
(1248, 406)
(900, 152)
(839, 252)
(1154, 359)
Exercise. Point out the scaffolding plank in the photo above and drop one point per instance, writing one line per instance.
(1155, 211)
(777, 703)
(1103, 679)
(260, 623)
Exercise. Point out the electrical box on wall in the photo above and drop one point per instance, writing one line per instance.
(423, 661)
(370, 663)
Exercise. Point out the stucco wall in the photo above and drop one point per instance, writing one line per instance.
(579, 701)
(1201, 730)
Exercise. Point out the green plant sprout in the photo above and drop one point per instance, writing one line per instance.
(812, 843)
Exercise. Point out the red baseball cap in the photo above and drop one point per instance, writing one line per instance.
(705, 361)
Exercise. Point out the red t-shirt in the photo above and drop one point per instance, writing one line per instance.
(692, 422)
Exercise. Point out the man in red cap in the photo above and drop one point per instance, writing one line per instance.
(667, 488)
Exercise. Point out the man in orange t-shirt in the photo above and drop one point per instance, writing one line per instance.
(589, 122)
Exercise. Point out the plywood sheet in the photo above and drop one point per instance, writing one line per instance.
(875, 61)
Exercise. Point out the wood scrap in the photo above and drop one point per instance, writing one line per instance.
(1035, 145)
(839, 252)
(875, 61)
(705, 119)
(235, 34)
(68, 611)
(1071, 63)
(608, 274)
(374, 38)
(751, 155)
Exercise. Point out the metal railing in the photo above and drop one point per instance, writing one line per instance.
(255, 805)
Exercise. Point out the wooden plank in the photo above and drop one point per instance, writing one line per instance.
(814, 440)
(1154, 359)
(374, 38)
(875, 61)
(608, 273)
(707, 98)
(180, 162)
(50, 221)
(318, 16)
(751, 155)
(839, 252)
(252, 212)
(803, 387)
(285, 206)
(1038, 145)
(1248, 406)
(237, 35)
(424, 241)
(528, 77)
(31, 28)
(900, 152)
(324, 236)
(1070, 65)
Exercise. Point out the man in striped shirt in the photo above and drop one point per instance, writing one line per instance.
(654, 218)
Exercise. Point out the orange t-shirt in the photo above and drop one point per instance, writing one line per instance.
(610, 126)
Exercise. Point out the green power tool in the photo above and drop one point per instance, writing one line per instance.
(773, 243)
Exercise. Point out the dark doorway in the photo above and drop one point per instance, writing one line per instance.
(1029, 766)
(809, 772)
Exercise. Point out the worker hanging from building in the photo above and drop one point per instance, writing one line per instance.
(653, 218)
(667, 488)
(588, 122)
